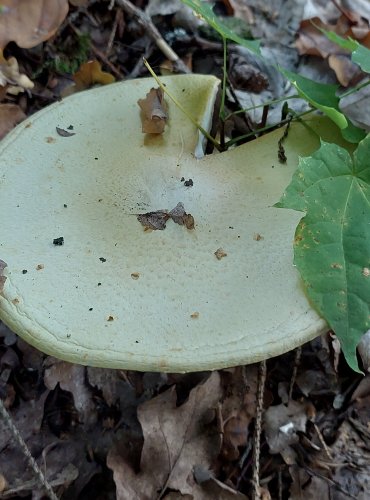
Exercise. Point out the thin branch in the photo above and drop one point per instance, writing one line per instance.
(297, 362)
(99, 54)
(26, 452)
(154, 34)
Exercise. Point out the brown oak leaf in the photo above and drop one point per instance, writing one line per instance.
(175, 441)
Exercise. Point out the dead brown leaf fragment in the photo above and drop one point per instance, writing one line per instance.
(3, 265)
(220, 253)
(154, 112)
(312, 41)
(90, 73)
(158, 219)
(10, 116)
(179, 216)
(174, 442)
(30, 22)
(154, 220)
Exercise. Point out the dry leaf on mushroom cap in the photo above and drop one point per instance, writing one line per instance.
(154, 112)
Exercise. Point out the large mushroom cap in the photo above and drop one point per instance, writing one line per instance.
(118, 296)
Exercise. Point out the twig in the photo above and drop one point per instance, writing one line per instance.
(280, 484)
(297, 360)
(330, 482)
(258, 431)
(154, 34)
(26, 452)
(106, 61)
(113, 31)
(99, 54)
(322, 441)
(136, 70)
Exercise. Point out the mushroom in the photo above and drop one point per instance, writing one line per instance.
(113, 294)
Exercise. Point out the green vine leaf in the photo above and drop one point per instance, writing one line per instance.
(205, 10)
(322, 96)
(332, 241)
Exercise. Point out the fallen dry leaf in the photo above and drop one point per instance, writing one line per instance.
(3, 265)
(281, 423)
(240, 9)
(157, 220)
(30, 22)
(238, 408)
(213, 488)
(71, 378)
(312, 41)
(10, 77)
(154, 112)
(174, 442)
(90, 73)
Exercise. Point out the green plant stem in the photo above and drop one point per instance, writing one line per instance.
(267, 103)
(355, 89)
(180, 106)
(224, 78)
(268, 127)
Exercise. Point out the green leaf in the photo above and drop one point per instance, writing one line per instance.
(352, 133)
(321, 96)
(332, 241)
(360, 54)
(205, 10)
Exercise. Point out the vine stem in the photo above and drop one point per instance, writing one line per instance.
(26, 452)
(268, 127)
(224, 78)
(355, 89)
(267, 103)
(258, 430)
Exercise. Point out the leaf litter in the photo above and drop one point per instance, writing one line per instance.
(66, 437)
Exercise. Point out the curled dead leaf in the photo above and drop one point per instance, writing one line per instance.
(90, 73)
(158, 219)
(10, 116)
(154, 112)
(30, 22)
(11, 78)
(3, 265)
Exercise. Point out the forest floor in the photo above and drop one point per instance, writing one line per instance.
(104, 434)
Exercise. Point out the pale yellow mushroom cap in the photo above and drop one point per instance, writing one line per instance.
(118, 296)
